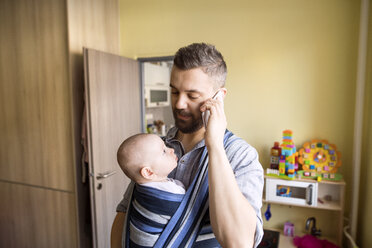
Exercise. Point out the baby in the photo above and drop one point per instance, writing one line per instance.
(146, 160)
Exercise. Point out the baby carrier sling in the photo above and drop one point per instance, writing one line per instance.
(158, 219)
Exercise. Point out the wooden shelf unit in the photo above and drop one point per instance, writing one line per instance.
(335, 189)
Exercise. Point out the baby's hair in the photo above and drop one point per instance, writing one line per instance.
(127, 155)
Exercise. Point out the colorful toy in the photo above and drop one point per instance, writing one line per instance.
(268, 212)
(288, 229)
(320, 160)
(289, 155)
(275, 153)
(284, 191)
(272, 172)
(288, 162)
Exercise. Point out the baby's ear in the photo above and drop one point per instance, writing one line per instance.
(147, 172)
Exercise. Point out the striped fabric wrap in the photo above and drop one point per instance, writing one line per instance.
(156, 218)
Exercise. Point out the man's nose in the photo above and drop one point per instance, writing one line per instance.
(181, 102)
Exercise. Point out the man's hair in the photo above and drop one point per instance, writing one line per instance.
(204, 56)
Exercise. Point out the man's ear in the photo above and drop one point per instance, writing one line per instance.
(224, 92)
(147, 172)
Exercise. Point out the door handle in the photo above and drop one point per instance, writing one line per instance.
(309, 195)
(105, 175)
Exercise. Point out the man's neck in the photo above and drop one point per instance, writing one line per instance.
(189, 140)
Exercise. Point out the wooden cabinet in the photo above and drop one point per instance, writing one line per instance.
(326, 199)
(36, 217)
(41, 95)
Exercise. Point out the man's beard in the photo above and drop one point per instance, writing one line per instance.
(190, 126)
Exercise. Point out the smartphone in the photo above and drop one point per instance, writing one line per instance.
(205, 115)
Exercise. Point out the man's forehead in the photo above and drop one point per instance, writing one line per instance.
(193, 80)
(186, 88)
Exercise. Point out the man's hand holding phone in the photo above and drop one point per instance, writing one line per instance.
(214, 118)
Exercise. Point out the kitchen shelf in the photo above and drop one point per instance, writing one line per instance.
(333, 206)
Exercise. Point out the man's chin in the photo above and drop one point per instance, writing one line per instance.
(188, 128)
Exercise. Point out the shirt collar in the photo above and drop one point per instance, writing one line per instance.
(171, 136)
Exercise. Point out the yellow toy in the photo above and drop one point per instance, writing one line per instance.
(287, 162)
(321, 159)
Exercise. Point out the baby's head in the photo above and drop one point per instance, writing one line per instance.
(145, 158)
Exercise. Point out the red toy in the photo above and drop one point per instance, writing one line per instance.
(275, 153)
(309, 241)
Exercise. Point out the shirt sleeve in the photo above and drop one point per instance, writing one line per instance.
(123, 205)
(249, 177)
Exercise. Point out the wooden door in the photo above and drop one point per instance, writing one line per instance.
(113, 106)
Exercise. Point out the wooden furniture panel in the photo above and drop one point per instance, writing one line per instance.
(41, 82)
(94, 24)
(35, 123)
(36, 217)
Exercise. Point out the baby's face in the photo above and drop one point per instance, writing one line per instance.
(163, 159)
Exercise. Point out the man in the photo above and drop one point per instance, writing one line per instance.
(235, 175)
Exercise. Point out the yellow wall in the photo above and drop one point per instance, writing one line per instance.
(291, 63)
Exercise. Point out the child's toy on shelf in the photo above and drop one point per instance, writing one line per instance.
(283, 191)
(272, 172)
(287, 160)
(289, 154)
(268, 212)
(320, 160)
(289, 229)
(275, 154)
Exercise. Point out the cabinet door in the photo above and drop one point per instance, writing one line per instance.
(36, 217)
(113, 107)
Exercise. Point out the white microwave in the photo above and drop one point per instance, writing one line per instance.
(157, 96)
(292, 192)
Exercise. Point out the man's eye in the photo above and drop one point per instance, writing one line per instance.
(193, 96)
(174, 93)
